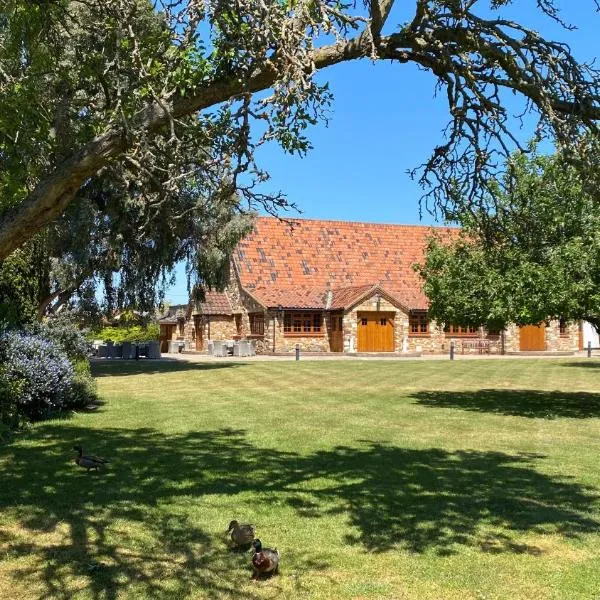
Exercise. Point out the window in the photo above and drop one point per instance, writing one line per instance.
(257, 323)
(418, 324)
(493, 332)
(238, 324)
(562, 328)
(302, 323)
(460, 330)
(364, 321)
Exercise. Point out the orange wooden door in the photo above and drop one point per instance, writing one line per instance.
(199, 332)
(336, 333)
(580, 340)
(532, 337)
(375, 332)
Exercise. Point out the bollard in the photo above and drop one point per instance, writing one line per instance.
(451, 350)
(589, 349)
(297, 351)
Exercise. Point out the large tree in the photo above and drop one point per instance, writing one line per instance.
(537, 258)
(156, 93)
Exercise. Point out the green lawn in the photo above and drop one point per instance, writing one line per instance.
(390, 479)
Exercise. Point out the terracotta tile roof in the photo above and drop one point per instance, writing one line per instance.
(290, 296)
(343, 297)
(215, 303)
(277, 261)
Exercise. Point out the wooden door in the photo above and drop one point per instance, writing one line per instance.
(336, 332)
(199, 332)
(375, 332)
(166, 334)
(532, 337)
(580, 340)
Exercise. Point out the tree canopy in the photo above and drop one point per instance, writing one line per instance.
(144, 101)
(538, 257)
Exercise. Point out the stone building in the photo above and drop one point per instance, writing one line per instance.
(335, 286)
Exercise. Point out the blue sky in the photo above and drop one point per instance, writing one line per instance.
(385, 120)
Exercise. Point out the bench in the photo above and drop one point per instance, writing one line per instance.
(481, 346)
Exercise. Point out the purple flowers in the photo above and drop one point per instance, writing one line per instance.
(41, 370)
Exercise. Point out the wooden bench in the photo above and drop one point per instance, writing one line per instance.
(482, 346)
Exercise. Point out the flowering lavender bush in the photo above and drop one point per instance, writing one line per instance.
(39, 368)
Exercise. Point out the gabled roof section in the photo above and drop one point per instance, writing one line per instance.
(215, 303)
(279, 262)
(345, 298)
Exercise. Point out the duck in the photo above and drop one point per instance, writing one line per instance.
(264, 560)
(88, 461)
(241, 535)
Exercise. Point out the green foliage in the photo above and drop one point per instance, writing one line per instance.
(132, 333)
(67, 335)
(83, 389)
(10, 391)
(538, 256)
(23, 282)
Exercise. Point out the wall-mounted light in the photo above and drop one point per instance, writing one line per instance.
(378, 301)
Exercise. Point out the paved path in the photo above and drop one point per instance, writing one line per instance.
(200, 358)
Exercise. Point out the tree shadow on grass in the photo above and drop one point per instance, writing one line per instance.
(118, 533)
(589, 363)
(112, 368)
(518, 403)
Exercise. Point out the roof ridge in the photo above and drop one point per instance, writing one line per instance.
(338, 221)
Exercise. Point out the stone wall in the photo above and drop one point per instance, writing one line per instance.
(274, 339)
(286, 343)
(428, 343)
(569, 342)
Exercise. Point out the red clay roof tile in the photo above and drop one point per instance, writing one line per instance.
(294, 266)
(215, 303)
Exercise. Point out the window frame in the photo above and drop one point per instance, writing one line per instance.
(449, 331)
(303, 323)
(256, 324)
(419, 318)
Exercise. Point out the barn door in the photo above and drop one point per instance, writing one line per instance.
(375, 332)
(532, 337)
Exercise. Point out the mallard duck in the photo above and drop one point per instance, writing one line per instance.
(241, 535)
(88, 461)
(265, 560)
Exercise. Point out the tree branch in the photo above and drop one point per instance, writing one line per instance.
(53, 194)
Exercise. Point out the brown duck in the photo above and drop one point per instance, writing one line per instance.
(265, 560)
(88, 461)
(241, 535)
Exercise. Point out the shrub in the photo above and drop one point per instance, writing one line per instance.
(38, 371)
(9, 393)
(134, 333)
(67, 335)
(83, 387)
